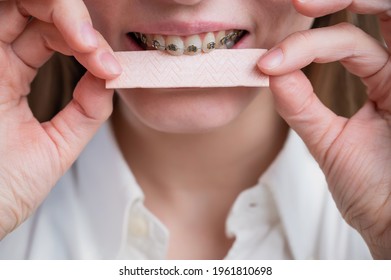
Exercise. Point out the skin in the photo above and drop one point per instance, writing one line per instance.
(201, 125)
(161, 130)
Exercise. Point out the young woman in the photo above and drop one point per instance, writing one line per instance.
(194, 173)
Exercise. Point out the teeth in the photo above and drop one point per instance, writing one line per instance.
(159, 43)
(190, 45)
(209, 43)
(231, 39)
(175, 45)
(193, 45)
(143, 39)
(220, 40)
(149, 39)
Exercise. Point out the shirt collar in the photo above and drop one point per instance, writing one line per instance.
(293, 179)
(298, 187)
(106, 178)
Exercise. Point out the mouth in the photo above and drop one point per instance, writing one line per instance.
(189, 45)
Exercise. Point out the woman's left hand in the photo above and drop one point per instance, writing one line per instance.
(354, 153)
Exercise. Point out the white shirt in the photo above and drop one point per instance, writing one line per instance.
(96, 211)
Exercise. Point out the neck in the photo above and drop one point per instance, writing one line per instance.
(194, 179)
(236, 154)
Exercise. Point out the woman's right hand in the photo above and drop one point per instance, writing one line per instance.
(33, 156)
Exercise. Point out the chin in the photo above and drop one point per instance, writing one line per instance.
(185, 111)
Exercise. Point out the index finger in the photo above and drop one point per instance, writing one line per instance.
(381, 8)
(318, 8)
(71, 17)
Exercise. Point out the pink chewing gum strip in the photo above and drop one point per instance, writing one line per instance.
(220, 68)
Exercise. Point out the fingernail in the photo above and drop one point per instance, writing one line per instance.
(111, 64)
(272, 59)
(89, 35)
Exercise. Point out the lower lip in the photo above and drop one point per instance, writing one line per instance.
(131, 45)
(243, 43)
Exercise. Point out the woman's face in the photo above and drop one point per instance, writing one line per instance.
(265, 23)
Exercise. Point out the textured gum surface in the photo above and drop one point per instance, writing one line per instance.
(220, 68)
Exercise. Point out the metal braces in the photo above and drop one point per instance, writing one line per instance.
(228, 41)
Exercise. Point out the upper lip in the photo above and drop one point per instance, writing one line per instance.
(181, 28)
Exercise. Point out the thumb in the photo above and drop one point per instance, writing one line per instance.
(74, 126)
(297, 103)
